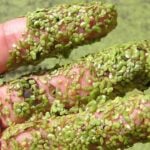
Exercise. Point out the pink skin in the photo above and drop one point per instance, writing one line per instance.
(134, 115)
(60, 82)
(27, 135)
(13, 31)
(13, 98)
(10, 33)
(20, 138)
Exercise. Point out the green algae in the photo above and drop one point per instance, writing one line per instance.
(133, 24)
(55, 31)
(112, 74)
(79, 131)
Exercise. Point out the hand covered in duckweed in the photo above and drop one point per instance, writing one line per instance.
(88, 104)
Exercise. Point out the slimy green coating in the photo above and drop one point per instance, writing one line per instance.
(116, 124)
(111, 73)
(57, 30)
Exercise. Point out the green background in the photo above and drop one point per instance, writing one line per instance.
(133, 24)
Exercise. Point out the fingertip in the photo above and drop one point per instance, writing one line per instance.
(10, 33)
(15, 27)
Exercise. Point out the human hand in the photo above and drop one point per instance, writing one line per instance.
(49, 32)
(10, 33)
(81, 86)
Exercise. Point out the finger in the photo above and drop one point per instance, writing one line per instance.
(10, 33)
(55, 31)
(116, 124)
(99, 76)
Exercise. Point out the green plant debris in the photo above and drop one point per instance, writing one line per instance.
(133, 24)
